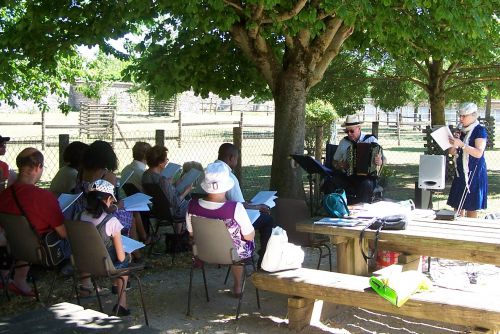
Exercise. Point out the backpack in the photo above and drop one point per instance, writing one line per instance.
(335, 204)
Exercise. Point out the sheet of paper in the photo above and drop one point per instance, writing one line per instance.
(187, 179)
(170, 170)
(137, 202)
(253, 215)
(66, 200)
(265, 197)
(441, 136)
(125, 178)
(381, 209)
(130, 245)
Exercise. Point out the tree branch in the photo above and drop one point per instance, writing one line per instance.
(284, 16)
(421, 68)
(450, 69)
(236, 5)
(471, 80)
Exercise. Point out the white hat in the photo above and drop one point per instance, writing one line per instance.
(351, 120)
(104, 187)
(217, 179)
(467, 108)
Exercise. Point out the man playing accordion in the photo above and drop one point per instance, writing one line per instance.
(358, 181)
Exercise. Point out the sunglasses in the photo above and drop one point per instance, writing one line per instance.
(350, 130)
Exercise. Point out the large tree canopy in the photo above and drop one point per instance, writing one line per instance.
(282, 47)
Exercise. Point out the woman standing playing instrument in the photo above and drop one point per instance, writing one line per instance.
(469, 189)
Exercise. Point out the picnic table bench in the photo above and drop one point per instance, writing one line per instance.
(308, 287)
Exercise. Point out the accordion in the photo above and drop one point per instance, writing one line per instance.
(360, 157)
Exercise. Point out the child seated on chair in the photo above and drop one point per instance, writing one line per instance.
(100, 196)
(214, 205)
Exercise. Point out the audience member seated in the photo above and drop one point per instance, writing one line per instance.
(360, 186)
(99, 162)
(215, 206)
(157, 159)
(65, 179)
(5, 173)
(138, 165)
(228, 155)
(40, 206)
(197, 191)
(100, 198)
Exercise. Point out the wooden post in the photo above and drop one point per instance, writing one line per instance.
(375, 127)
(238, 142)
(43, 130)
(63, 143)
(179, 127)
(299, 312)
(398, 129)
(231, 106)
(113, 120)
(160, 137)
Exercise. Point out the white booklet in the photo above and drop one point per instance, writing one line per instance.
(170, 170)
(337, 222)
(130, 245)
(137, 202)
(441, 136)
(125, 178)
(187, 179)
(253, 215)
(265, 197)
(66, 200)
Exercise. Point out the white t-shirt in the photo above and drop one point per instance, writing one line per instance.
(240, 215)
(113, 225)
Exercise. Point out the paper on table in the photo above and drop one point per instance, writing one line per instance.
(66, 200)
(130, 245)
(125, 178)
(253, 215)
(441, 136)
(137, 202)
(337, 222)
(187, 179)
(170, 169)
(265, 197)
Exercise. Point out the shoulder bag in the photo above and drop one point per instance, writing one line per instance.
(50, 243)
(395, 222)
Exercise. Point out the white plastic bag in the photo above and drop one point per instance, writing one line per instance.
(280, 254)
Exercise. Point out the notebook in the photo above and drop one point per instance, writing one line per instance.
(338, 222)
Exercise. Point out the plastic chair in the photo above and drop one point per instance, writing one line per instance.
(24, 245)
(213, 245)
(161, 211)
(287, 213)
(89, 255)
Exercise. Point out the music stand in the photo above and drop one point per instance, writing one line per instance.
(311, 166)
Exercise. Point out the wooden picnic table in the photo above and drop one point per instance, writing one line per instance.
(466, 239)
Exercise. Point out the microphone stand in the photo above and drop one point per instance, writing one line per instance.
(466, 190)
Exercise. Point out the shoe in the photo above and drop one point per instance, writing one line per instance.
(114, 288)
(15, 290)
(122, 311)
(67, 270)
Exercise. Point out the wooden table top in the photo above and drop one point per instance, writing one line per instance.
(467, 239)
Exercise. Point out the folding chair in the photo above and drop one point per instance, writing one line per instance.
(287, 213)
(24, 245)
(161, 211)
(89, 255)
(213, 245)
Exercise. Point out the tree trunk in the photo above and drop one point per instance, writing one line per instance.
(289, 131)
(436, 92)
(488, 102)
(318, 143)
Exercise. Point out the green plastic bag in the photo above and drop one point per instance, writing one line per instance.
(397, 288)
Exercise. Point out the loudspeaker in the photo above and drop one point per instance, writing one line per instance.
(431, 172)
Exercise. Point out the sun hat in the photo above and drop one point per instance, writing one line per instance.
(352, 120)
(4, 139)
(467, 108)
(104, 187)
(217, 179)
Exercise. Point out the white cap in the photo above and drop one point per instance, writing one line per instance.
(217, 179)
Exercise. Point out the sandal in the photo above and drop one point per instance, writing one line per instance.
(17, 291)
(122, 311)
(88, 291)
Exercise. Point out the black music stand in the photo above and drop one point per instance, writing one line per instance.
(311, 166)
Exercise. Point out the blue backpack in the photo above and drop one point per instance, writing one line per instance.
(335, 204)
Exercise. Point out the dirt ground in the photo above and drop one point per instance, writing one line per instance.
(166, 289)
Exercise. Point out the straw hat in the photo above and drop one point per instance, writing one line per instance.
(351, 120)
(217, 179)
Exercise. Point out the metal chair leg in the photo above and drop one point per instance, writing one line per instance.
(256, 290)
(188, 313)
(320, 256)
(142, 299)
(205, 281)
(227, 275)
(94, 283)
